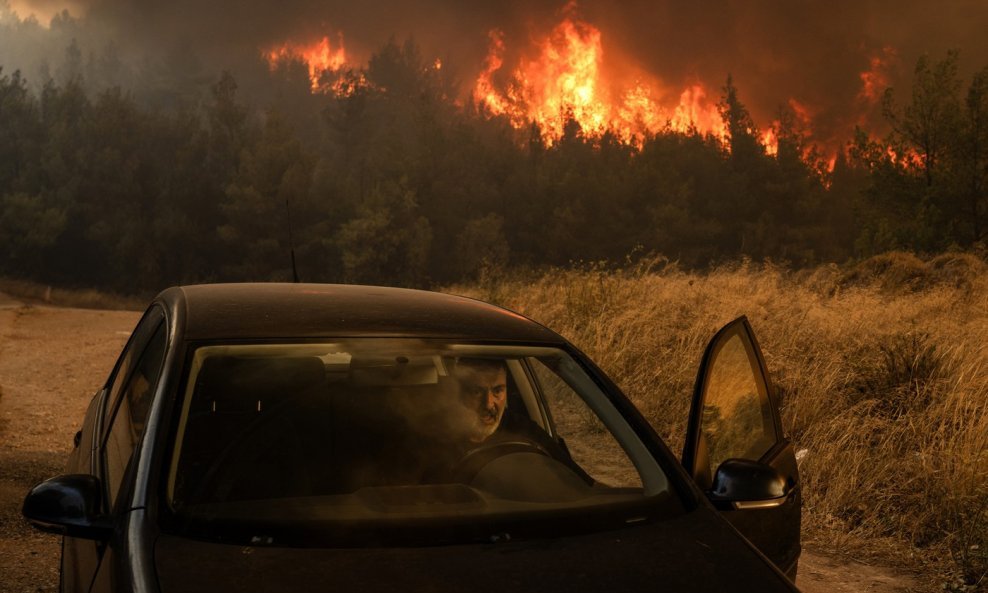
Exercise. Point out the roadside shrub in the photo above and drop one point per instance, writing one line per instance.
(893, 271)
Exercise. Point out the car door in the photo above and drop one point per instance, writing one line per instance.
(139, 362)
(736, 449)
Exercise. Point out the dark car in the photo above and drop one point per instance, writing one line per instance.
(302, 437)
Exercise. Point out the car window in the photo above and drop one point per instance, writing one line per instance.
(737, 414)
(138, 341)
(384, 431)
(130, 417)
(584, 435)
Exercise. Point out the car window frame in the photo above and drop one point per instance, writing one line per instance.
(154, 318)
(695, 456)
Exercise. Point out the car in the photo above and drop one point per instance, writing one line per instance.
(304, 437)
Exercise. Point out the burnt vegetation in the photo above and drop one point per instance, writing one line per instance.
(394, 178)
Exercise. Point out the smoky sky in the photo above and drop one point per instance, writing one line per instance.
(775, 50)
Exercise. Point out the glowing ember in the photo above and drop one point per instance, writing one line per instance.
(320, 57)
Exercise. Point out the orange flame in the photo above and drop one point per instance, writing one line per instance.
(564, 79)
(562, 84)
(319, 56)
(696, 112)
(875, 79)
(770, 140)
(905, 157)
(566, 82)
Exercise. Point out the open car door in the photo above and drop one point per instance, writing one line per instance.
(736, 450)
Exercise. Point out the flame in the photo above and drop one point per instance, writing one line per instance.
(562, 84)
(907, 158)
(697, 113)
(485, 91)
(562, 77)
(804, 116)
(565, 81)
(875, 79)
(319, 56)
(770, 141)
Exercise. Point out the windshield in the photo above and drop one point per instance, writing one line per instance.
(367, 435)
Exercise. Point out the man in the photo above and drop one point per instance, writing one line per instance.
(483, 392)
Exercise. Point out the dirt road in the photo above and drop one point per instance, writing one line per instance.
(51, 362)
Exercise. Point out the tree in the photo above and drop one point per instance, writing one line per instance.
(72, 68)
(741, 131)
(228, 129)
(937, 153)
(273, 176)
(929, 124)
(972, 156)
(388, 241)
(28, 227)
(21, 136)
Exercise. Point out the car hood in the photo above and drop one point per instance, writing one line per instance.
(696, 551)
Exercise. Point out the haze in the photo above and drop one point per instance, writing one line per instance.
(820, 55)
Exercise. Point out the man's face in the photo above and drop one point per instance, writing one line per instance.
(484, 391)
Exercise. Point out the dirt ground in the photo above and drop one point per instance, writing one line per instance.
(51, 362)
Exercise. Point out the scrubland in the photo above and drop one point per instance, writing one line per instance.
(881, 367)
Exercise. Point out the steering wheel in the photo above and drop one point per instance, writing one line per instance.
(467, 468)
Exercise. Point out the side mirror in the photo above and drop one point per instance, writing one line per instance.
(68, 505)
(744, 484)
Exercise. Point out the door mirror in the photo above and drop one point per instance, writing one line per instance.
(745, 484)
(68, 505)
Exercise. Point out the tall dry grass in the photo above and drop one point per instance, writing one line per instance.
(882, 370)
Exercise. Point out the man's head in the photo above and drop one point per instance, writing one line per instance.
(484, 391)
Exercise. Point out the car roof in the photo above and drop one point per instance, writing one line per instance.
(281, 310)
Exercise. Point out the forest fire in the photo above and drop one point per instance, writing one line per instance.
(564, 76)
(875, 79)
(566, 81)
(319, 56)
(696, 111)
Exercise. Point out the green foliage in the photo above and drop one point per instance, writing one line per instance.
(481, 246)
(20, 135)
(388, 178)
(388, 241)
(928, 177)
(28, 227)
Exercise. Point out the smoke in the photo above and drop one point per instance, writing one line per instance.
(813, 53)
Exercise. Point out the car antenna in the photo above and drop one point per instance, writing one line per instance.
(291, 241)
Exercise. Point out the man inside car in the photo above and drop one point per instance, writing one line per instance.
(491, 430)
(483, 391)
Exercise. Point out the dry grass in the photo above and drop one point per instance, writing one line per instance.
(882, 369)
(78, 298)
